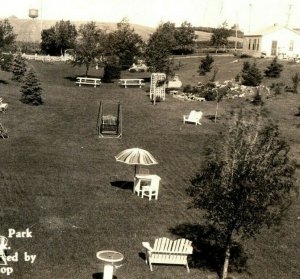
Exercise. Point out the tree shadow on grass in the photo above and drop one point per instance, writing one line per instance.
(3, 81)
(209, 251)
(212, 117)
(71, 78)
(100, 276)
(121, 184)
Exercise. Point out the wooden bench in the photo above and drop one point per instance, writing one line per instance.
(166, 251)
(131, 81)
(88, 81)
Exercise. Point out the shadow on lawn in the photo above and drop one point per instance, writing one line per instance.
(3, 81)
(124, 185)
(209, 250)
(100, 276)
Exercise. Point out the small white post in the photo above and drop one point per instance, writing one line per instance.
(108, 271)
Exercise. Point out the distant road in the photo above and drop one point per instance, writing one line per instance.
(198, 56)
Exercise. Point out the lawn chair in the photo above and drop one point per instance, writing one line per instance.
(3, 106)
(3, 248)
(193, 117)
(152, 189)
(166, 251)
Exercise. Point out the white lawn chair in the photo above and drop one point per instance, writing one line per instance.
(152, 189)
(166, 251)
(3, 248)
(193, 117)
(3, 106)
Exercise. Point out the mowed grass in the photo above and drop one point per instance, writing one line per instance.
(62, 181)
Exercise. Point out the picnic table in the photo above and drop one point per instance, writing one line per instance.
(131, 81)
(88, 81)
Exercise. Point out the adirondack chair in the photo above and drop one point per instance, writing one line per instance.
(152, 189)
(166, 251)
(3, 248)
(193, 117)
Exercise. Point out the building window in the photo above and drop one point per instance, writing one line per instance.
(291, 47)
(254, 44)
(257, 46)
(249, 44)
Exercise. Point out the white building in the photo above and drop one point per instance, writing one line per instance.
(273, 41)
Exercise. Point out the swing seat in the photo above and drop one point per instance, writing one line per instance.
(109, 123)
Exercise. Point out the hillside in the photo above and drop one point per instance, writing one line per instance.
(29, 30)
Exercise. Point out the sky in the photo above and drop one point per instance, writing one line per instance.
(250, 15)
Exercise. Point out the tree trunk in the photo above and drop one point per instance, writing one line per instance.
(216, 115)
(226, 263)
(87, 69)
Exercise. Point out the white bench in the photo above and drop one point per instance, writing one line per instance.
(193, 117)
(131, 81)
(88, 81)
(166, 251)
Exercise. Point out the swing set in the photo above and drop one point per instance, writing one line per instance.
(109, 121)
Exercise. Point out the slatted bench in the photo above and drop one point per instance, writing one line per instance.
(132, 82)
(88, 81)
(166, 251)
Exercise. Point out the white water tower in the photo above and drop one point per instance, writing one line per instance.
(33, 13)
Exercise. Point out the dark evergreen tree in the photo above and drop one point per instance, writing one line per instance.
(251, 75)
(31, 90)
(18, 68)
(274, 69)
(206, 64)
(111, 71)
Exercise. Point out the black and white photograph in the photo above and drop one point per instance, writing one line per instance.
(149, 139)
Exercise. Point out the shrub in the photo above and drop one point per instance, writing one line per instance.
(206, 64)
(295, 80)
(187, 88)
(244, 55)
(274, 69)
(18, 68)
(31, 90)
(111, 71)
(257, 100)
(251, 75)
(6, 61)
(277, 87)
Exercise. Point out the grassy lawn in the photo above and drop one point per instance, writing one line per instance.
(61, 181)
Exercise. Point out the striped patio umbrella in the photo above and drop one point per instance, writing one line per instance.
(136, 156)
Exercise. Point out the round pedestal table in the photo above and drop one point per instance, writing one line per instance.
(109, 258)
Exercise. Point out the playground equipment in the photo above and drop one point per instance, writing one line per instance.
(109, 121)
(158, 87)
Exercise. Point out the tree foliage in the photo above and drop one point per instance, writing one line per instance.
(185, 39)
(247, 181)
(159, 47)
(7, 36)
(220, 36)
(206, 64)
(31, 90)
(89, 47)
(125, 43)
(18, 68)
(274, 69)
(251, 75)
(58, 38)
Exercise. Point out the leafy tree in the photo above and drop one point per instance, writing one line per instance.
(274, 69)
(220, 36)
(58, 38)
(247, 182)
(185, 39)
(251, 75)
(18, 68)
(89, 46)
(7, 36)
(125, 44)
(206, 64)
(31, 90)
(48, 44)
(159, 48)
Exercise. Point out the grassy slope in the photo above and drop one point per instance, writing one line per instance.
(57, 177)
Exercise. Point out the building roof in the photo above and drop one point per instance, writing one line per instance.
(271, 29)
